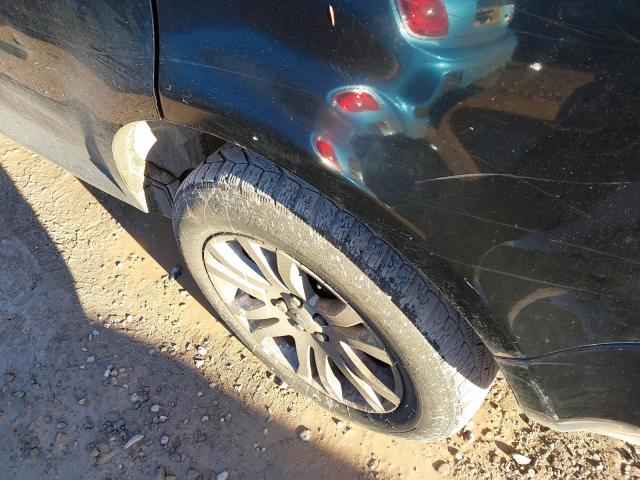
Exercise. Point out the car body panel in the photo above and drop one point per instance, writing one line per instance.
(506, 177)
(72, 72)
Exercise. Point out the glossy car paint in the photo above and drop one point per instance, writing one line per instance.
(503, 160)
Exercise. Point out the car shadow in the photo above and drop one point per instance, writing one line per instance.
(74, 393)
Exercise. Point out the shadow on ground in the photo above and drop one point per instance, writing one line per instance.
(154, 233)
(73, 393)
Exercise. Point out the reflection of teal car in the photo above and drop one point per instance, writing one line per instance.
(468, 41)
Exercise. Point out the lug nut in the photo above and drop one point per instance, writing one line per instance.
(321, 337)
(282, 305)
(296, 302)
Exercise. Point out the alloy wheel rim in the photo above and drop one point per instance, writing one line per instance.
(300, 322)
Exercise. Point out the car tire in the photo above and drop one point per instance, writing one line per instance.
(442, 366)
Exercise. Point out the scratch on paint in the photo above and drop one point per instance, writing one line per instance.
(517, 177)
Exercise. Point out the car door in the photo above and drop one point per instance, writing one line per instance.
(71, 73)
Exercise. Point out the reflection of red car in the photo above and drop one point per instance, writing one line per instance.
(449, 44)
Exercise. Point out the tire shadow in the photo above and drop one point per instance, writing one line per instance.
(154, 233)
(73, 393)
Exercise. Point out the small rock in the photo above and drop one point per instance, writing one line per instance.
(212, 385)
(161, 473)
(88, 422)
(117, 424)
(281, 383)
(305, 435)
(91, 359)
(202, 350)
(139, 397)
(133, 440)
(468, 436)
(83, 401)
(521, 459)
(490, 436)
(222, 476)
(94, 453)
(265, 431)
(119, 264)
(164, 439)
(61, 425)
(205, 418)
(104, 447)
(373, 463)
(155, 408)
(199, 362)
(443, 468)
(200, 394)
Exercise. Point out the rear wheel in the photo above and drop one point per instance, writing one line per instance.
(326, 303)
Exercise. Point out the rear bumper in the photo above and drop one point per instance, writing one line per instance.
(593, 388)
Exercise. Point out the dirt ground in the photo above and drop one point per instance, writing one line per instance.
(111, 368)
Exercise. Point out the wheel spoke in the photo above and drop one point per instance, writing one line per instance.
(227, 264)
(357, 366)
(327, 378)
(337, 312)
(263, 312)
(295, 279)
(303, 350)
(365, 390)
(365, 343)
(276, 329)
(264, 260)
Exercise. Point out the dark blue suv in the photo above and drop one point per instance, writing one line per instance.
(385, 200)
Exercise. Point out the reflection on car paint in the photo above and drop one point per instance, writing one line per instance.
(478, 43)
